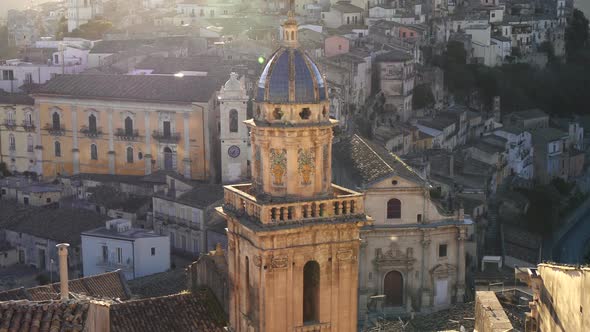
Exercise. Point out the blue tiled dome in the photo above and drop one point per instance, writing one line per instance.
(291, 67)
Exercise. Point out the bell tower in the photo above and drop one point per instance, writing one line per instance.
(293, 236)
(233, 101)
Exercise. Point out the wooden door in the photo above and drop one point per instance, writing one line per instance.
(393, 287)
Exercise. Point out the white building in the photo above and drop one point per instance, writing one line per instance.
(16, 73)
(135, 252)
(82, 11)
(519, 146)
(341, 13)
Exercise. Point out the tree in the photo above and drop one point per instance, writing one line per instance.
(92, 30)
(422, 96)
(62, 28)
(576, 35)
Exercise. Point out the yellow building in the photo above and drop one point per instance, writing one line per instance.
(17, 132)
(128, 125)
(293, 236)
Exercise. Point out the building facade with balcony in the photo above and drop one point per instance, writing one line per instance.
(18, 132)
(128, 125)
(118, 246)
(184, 212)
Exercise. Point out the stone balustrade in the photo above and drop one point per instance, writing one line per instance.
(319, 327)
(342, 203)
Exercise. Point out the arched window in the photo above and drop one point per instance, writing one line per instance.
(233, 121)
(29, 143)
(394, 209)
(128, 126)
(130, 155)
(92, 123)
(93, 152)
(11, 142)
(311, 292)
(55, 121)
(57, 148)
(292, 35)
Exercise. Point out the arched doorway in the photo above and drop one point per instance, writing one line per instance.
(393, 288)
(168, 159)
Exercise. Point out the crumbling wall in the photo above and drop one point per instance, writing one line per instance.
(489, 314)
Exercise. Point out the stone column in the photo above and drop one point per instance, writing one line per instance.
(147, 155)
(75, 149)
(187, 153)
(461, 265)
(426, 296)
(111, 142)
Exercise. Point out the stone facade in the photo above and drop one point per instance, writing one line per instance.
(234, 135)
(293, 237)
(18, 133)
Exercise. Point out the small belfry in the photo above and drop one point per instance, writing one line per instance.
(293, 236)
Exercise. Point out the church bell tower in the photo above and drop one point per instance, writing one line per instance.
(293, 236)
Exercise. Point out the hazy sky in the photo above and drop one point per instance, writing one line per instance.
(5, 5)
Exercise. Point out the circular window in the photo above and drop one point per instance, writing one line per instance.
(139, 155)
(394, 182)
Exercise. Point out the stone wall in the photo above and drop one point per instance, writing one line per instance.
(489, 314)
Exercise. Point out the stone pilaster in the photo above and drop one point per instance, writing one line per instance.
(75, 149)
(147, 156)
(426, 292)
(111, 152)
(461, 265)
(187, 149)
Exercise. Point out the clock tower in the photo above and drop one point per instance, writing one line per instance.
(293, 236)
(233, 101)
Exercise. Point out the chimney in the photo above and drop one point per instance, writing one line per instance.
(62, 250)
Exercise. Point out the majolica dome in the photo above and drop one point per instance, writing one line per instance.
(290, 76)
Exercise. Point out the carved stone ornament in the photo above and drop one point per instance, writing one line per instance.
(278, 161)
(257, 261)
(393, 257)
(306, 165)
(279, 262)
(443, 270)
(345, 255)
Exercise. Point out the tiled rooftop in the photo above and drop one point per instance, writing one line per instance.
(189, 312)
(111, 285)
(43, 316)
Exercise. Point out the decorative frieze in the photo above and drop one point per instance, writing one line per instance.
(306, 164)
(278, 160)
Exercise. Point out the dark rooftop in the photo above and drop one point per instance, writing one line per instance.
(43, 316)
(162, 65)
(112, 198)
(147, 88)
(368, 162)
(393, 55)
(15, 98)
(201, 196)
(61, 225)
(115, 46)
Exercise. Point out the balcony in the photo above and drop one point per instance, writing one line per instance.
(91, 133)
(54, 130)
(344, 204)
(10, 124)
(167, 219)
(111, 264)
(28, 125)
(166, 137)
(127, 135)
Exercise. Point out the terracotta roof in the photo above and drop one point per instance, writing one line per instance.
(369, 162)
(43, 316)
(110, 285)
(181, 312)
(148, 88)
